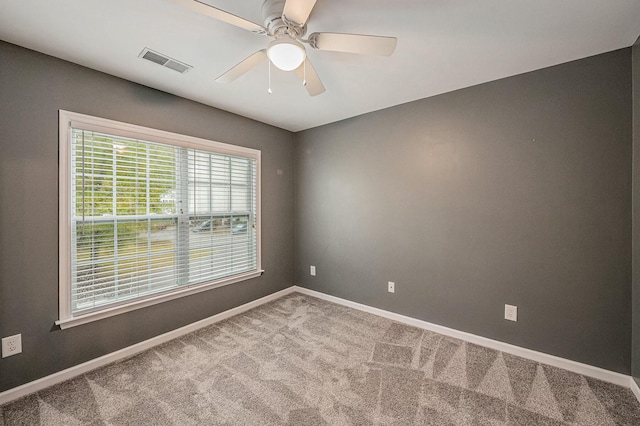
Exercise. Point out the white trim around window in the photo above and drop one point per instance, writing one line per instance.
(197, 202)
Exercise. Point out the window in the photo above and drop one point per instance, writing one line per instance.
(147, 216)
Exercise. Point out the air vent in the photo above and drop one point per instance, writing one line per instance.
(177, 66)
(165, 61)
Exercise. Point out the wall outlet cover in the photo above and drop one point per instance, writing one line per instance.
(391, 287)
(511, 312)
(312, 270)
(11, 345)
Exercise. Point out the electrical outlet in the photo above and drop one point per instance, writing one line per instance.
(511, 312)
(312, 270)
(391, 287)
(11, 345)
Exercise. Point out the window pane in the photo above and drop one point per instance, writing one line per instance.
(220, 246)
(117, 261)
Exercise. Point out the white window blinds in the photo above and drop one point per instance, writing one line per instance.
(148, 218)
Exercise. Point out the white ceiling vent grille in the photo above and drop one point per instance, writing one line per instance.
(164, 60)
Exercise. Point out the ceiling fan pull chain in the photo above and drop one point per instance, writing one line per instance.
(304, 72)
(269, 89)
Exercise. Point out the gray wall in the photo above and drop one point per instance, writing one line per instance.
(516, 191)
(32, 89)
(635, 346)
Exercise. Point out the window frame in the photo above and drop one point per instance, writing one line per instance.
(67, 120)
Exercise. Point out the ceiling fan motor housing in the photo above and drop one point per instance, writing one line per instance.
(276, 23)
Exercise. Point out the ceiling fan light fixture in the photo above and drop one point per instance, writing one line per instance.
(286, 53)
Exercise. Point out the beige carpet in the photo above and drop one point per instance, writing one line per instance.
(303, 361)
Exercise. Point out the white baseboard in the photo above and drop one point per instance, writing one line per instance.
(635, 389)
(69, 373)
(576, 367)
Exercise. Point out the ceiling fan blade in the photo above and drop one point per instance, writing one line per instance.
(298, 11)
(206, 9)
(251, 62)
(354, 43)
(314, 86)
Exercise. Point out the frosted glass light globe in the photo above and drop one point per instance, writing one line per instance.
(286, 53)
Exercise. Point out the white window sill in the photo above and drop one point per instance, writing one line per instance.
(153, 300)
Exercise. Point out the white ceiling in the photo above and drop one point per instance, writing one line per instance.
(443, 45)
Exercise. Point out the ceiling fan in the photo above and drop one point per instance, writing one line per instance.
(286, 22)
